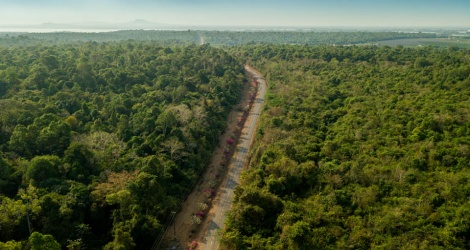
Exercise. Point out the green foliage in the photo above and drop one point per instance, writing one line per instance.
(7, 178)
(42, 169)
(358, 147)
(47, 135)
(43, 242)
(304, 37)
(11, 245)
(12, 215)
(100, 141)
(365, 147)
(122, 241)
(79, 163)
(51, 61)
(161, 36)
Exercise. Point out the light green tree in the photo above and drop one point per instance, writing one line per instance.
(43, 242)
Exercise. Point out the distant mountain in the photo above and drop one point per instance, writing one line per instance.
(142, 24)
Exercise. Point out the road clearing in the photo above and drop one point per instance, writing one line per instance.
(238, 162)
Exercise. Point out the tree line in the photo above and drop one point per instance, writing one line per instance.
(232, 38)
(227, 38)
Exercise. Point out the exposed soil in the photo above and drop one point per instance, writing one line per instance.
(185, 231)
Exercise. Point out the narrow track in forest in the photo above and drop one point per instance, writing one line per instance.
(179, 230)
(238, 162)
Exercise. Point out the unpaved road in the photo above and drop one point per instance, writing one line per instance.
(201, 39)
(211, 240)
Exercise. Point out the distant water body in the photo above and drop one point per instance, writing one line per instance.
(52, 30)
(73, 30)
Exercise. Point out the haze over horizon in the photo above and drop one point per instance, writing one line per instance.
(367, 13)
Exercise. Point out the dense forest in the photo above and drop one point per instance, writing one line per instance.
(99, 142)
(162, 37)
(305, 37)
(103, 134)
(229, 38)
(359, 147)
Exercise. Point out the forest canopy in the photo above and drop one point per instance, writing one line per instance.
(99, 142)
(359, 147)
(103, 134)
(227, 38)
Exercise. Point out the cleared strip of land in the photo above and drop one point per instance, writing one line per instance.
(211, 240)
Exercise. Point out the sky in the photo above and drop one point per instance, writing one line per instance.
(305, 13)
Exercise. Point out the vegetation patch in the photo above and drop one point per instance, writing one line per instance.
(358, 147)
(99, 142)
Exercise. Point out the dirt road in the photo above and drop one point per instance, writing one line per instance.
(211, 239)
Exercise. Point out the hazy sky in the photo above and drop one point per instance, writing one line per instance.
(242, 12)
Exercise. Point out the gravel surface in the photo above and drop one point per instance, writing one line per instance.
(211, 240)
